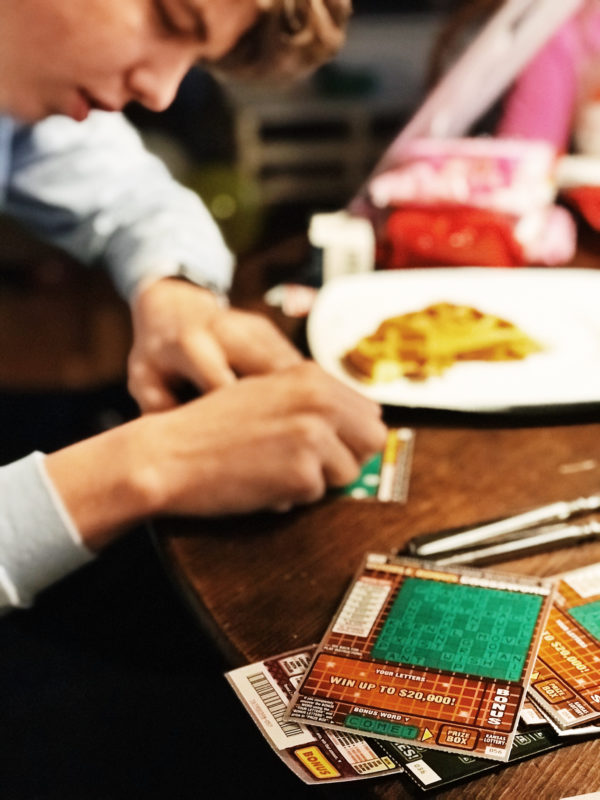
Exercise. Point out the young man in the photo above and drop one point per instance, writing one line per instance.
(81, 178)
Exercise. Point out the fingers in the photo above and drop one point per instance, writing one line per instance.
(202, 360)
(340, 464)
(253, 446)
(148, 389)
(366, 438)
(253, 344)
(315, 460)
(355, 418)
(199, 360)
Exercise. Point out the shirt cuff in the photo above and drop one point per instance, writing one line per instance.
(180, 272)
(39, 543)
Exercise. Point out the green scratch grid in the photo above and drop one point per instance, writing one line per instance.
(367, 483)
(464, 629)
(589, 617)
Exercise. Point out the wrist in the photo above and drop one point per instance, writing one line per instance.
(109, 482)
(219, 294)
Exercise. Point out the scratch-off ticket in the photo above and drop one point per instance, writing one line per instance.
(434, 769)
(433, 656)
(566, 678)
(319, 755)
(316, 755)
(387, 475)
(396, 465)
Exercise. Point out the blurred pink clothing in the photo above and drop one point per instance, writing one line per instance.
(543, 99)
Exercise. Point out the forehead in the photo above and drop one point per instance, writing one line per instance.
(220, 11)
(224, 15)
(224, 20)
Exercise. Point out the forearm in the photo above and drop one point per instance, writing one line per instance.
(266, 442)
(108, 482)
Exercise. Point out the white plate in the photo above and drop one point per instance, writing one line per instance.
(560, 308)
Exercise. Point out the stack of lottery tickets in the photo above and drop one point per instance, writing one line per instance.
(441, 673)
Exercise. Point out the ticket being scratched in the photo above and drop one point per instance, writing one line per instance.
(386, 476)
(566, 679)
(315, 755)
(430, 655)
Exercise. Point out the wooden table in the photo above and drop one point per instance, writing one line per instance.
(266, 583)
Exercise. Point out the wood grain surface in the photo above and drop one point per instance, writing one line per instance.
(266, 583)
(263, 584)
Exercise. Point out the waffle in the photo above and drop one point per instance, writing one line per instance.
(424, 343)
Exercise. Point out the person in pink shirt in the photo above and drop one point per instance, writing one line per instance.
(543, 101)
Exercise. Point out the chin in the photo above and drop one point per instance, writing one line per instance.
(28, 115)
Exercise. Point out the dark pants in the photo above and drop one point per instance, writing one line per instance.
(109, 691)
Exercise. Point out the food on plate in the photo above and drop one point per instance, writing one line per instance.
(423, 343)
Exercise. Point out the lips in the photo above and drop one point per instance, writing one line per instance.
(79, 107)
(97, 103)
(83, 102)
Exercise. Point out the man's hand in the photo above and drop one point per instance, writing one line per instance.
(183, 335)
(267, 442)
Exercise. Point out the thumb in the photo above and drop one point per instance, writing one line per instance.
(149, 390)
(203, 362)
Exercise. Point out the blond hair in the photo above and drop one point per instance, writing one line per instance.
(289, 39)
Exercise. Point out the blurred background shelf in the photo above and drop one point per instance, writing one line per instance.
(316, 141)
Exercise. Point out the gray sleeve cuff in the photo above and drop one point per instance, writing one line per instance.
(39, 544)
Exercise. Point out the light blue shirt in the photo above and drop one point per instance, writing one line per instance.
(92, 189)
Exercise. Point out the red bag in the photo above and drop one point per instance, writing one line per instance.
(586, 199)
(455, 236)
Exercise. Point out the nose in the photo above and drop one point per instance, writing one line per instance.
(154, 84)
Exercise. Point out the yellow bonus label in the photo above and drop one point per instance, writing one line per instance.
(316, 762)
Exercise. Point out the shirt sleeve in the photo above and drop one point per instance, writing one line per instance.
(93, 189)
(554, 73)
(39, 543)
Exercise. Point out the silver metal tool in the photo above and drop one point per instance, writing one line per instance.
(527, 542)
(430, 545)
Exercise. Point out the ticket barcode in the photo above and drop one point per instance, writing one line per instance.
(273, 702)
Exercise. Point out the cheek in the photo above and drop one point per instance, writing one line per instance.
(96, 37)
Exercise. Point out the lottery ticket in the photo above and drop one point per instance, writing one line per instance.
(319, 755)
(434, 769)
(533, 716)
(566, 680)
(316, 755)
(386, 476)
(427, 655)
